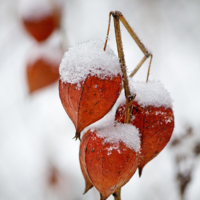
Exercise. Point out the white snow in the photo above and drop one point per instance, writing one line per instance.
(36, 9)
(126, 133)
(51, 54)
(113, 147)
(88, 58)
(35, 128)
(149, 93)
(114, 133)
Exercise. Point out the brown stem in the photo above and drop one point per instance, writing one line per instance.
(182, 197)
(134, 36)
(149, 68)
(138, 67)
(107, 32)
(117, 194)
(140, 45)
(128, 96)
(127, 106)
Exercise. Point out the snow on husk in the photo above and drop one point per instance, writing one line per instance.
(88, 58)
(50, 54)
(126, 133)
(35, 9)
(115, 133)
(151, 93)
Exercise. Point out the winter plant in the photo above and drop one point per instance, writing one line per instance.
(185, 149)
(41, 19)
(93, 85)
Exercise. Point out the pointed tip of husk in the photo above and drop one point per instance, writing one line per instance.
(140, 171)
(102, 197)
(88, 186)
(77, 135)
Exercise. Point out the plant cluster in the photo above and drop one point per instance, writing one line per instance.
(40, 19)
(91, 79)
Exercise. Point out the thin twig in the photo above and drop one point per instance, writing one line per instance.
(127, 106)
(107, 32)
(117, 194)
(140, 45)
(128, 96)
(151, 56)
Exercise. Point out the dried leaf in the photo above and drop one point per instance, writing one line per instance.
(88, 183)
(41, 29)
(155, 126)
(90, 101)
(109, 166)
(41, 73)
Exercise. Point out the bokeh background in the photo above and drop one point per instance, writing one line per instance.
(39, 158)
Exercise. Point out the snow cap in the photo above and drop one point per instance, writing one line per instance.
(36, 9)
(88, 58)
(126, 133)
(151, 93)
(51, 54)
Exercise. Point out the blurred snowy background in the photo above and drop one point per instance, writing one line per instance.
(39, 158)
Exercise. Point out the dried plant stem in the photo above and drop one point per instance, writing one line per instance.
(149, 68)
(140, 64)
(138, 67)
(141, 46)
(117, 16)
(107, 32)
(182, 197)
(124, 112)
(134, 36)
(117, 194)
(128, 95)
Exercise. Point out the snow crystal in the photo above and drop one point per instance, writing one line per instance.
(126, 133)
(149, 93)
(88, 58)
